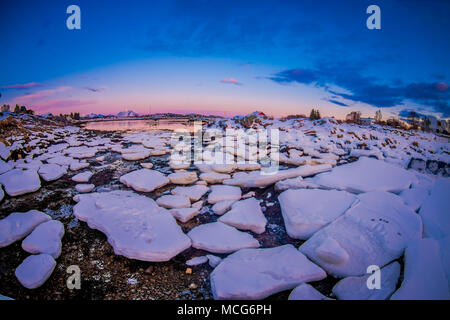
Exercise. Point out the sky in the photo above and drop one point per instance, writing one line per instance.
(227, 57)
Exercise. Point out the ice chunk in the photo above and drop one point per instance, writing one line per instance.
(221, 207)
(259, 273)
(307, 210)
(246, 215)
(172, 201)
(82, 177)
(46, 238)
(20, 224)
(214, 177)
(374, 231)
(50, 172)
(218, 237)
(18, 181)
(135, 225)
(306, 292)
(220, 193)
(84, 187)
(194, 193)
(35, 270)
(183, 177)
(185, 214)
(196, 261)
(144, 180)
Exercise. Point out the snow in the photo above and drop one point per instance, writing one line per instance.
(355, 288)
(259, 273)
(367, 174)
(246, 215)
(183, 177)
(221, 207)
(197, 260)
(256, 179)
(17, 182)
(82, 177)
(144, 180)
(424, 275)
(46, 238)
(50, 172)
(194, 193)
(76, 165)
(2, 194)
(84, 187)
(444, 245)
(306, 292)
(305, 211)
(5, 166)
(374, 231)
(173, 201)
(35, 270)
(218, 237)
(435, 211)
(135, 225)
(213, 260)
(20, 224)
(220, 193)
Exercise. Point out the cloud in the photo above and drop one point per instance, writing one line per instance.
(337, 102)
(40, 94)
(101, 89)
(23, 86)
(367, 89)
(60, 104)
(231, 81)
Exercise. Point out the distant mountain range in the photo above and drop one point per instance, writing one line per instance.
(122, 114)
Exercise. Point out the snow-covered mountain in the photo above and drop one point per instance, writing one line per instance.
(127, 114)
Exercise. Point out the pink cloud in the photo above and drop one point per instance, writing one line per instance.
(40, 94)
(58, 104)
(231, 81)
(23, 86)
(441, 86)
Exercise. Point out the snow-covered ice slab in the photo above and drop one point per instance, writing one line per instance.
(435, 211)
(221, 207)
(171, 201)
(135, 225)
(84, 187)
(307, 210)
(374, 231)
(20, 224)
(144, 180)
(185, 214)
(35, 270)
(82, 177)
(197, 260)
(306, 292)
(50, 172)
(256, 179)
(259, 273)
(18, 181)
(367, 174)
(424, 276)
(355, 288)
(214, 177)
(246, 215)
(194, 193)
(218, 237)
(183, 177)
(221, 193)
(46, 238)
(5, 166)
(213, 260)
(414, 197)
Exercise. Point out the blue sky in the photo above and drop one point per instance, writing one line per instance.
(227, 57)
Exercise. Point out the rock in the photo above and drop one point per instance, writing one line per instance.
(46, 238)
(83, 187)
(185, 214)
(246, 215)
(306, 292)
(35, 270)
(194, 193)
(220, 193)
(221, 207)
(257, 179)
(20, 224)
(135, 225)
(307, 210)
(196, 261)
(435, 211)
(50, 172)
(213, 260)
(218, 237)
(367, 174)
(82, 177)
(355, 288)
(144, 180)
(17, 182)
(374, 231)
(183, 177)
(424, 275)
(259, 273)
(173, 201)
